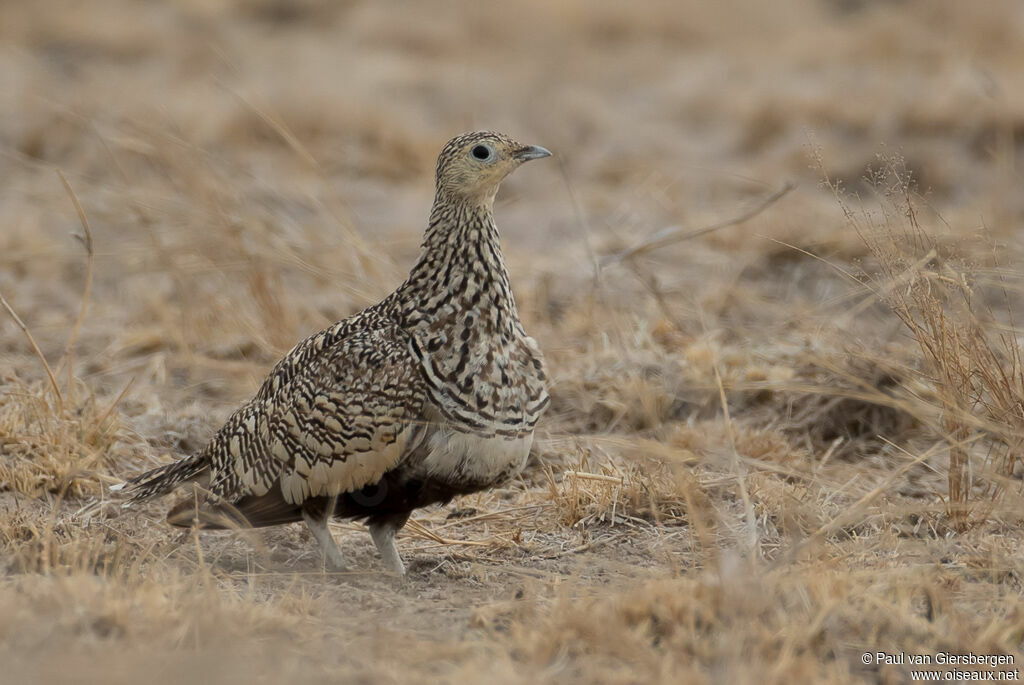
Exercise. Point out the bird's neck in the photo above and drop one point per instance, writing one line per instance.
(460, 275)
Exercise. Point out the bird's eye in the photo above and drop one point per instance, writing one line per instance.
(482, 152)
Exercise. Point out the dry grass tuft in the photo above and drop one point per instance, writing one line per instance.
(71, 451)
(971, 350)
(606, 490)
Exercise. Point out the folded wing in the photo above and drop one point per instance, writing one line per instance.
(349, 415)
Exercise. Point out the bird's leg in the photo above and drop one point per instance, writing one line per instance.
(383, 533)
(317, 523)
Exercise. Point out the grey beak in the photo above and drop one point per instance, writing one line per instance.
(532, 152)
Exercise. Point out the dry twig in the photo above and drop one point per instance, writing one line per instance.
(675, 234)
(86, 240)
(35, 348)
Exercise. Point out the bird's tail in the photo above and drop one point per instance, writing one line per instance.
(163, 479)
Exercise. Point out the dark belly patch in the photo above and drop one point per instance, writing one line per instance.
(393, 496)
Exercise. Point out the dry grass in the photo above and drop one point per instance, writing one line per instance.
(970, 349)
(772, 447)
(50, 451)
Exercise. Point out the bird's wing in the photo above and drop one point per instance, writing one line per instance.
(348, 416)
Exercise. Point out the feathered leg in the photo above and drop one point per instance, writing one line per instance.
(317, 522)
(383, 533)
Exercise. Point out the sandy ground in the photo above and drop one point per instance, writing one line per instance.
(743, 473)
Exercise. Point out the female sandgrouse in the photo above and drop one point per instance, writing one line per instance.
(431, 393)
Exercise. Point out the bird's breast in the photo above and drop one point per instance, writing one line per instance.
(487, 384)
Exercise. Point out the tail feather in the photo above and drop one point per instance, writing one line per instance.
(163, 479)
(251, 511)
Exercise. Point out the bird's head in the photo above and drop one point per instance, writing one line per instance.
(473, 165)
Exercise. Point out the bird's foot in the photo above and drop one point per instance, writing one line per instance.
(334, 562)
(383, 535)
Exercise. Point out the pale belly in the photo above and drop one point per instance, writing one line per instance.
(453, 456)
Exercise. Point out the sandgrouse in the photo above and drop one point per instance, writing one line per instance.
(431, 393)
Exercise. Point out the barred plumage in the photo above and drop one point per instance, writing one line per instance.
(432, 392)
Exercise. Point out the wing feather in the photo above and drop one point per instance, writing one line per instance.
(348, 416)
